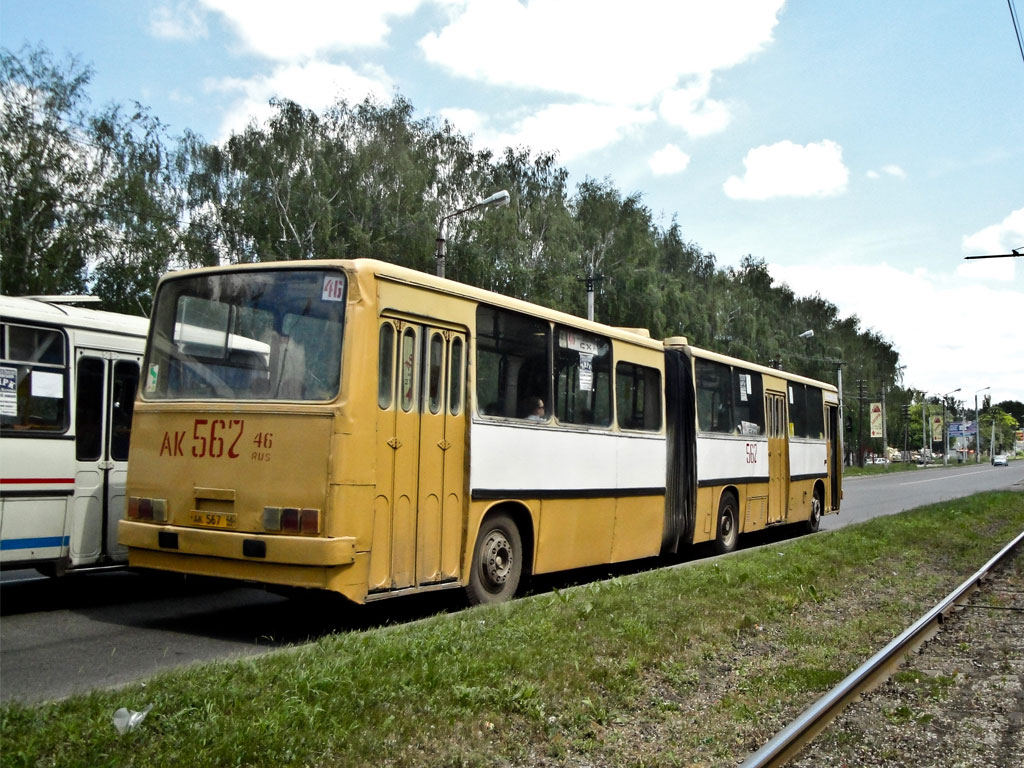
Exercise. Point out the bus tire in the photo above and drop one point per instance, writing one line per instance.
(497, 561)
(817, 505)
(727, 532)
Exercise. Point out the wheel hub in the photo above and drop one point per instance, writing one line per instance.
(497, 558)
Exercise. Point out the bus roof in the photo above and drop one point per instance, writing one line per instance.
(37, 310)
(386, 271)
(764, 369)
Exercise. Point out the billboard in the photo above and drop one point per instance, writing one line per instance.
(936, 429)
(876, 419)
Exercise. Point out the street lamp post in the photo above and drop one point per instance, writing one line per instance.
(945, 429)
(977, 428)
(498, 200)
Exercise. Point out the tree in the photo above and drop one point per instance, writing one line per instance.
(89, 204)
(46, 208)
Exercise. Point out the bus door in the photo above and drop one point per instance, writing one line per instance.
(834, 456)
(778, 456)
(421, 449)
(105, 388)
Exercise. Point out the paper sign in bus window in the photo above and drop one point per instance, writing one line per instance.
(9, 391)
(47, 385)
(334, 288)
(586, 372)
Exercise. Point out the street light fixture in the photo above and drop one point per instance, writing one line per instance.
(497, 200)
(977, 428)
(945, 429)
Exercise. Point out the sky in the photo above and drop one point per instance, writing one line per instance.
(861, 149)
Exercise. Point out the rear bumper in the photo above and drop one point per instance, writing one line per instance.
(253, 548)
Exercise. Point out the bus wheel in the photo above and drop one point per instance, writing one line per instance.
(817, 504)
(497, 561)
(728, 524)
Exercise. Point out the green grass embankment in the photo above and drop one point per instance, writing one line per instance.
(691, 665)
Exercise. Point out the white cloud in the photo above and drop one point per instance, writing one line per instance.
(571, 130)
(668, 160)
(888, 170)
(950, 332)
(315, 85)
(300, 30)
(177, 22)
(692, 110)
(998, 238)
(786, 169)
(600, 50)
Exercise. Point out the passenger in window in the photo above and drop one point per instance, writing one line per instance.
(534, 409)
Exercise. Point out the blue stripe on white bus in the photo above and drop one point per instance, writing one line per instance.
(43, 541)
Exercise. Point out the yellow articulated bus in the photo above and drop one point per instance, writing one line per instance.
(368, 429)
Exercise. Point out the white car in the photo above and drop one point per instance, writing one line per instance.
(1000, 460)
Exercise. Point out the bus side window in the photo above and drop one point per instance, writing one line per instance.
(455, 378)
(407, 381)
(34, 376)
(122, 405)
(89, 409)
(513, 362)
(638, 397)
(385, 366)
(714, 396)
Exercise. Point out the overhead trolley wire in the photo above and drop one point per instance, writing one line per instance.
(1016, 27)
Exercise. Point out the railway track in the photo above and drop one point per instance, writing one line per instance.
(968, 709)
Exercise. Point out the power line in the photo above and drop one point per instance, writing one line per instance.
(1016, 27)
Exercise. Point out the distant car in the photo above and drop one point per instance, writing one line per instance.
(1000, 460)
(880, 460)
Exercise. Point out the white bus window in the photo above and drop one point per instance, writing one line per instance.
(638, 397)
(583, 366)
(714, 396)
(748, 402)
(806, 411)
(455, 378)
(122, 404)
(513, 371)
(89, 409)
(33, 374)
(385, 366)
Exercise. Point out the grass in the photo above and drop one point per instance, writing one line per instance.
(681, 666)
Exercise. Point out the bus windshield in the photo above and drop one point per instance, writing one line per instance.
(262, 335)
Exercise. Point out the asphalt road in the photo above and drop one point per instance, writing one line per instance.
(103, 630)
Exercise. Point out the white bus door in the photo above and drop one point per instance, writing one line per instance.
(105, 384)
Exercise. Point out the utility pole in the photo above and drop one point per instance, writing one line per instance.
(862, 390)
(885, 433)
(924, 426)
(906, 432)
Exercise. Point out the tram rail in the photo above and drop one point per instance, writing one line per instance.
(789, 742)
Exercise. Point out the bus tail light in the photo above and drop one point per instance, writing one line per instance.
(152, 510)
(310, 520)
(291, 520)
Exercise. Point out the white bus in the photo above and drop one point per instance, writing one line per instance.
(68, 378)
